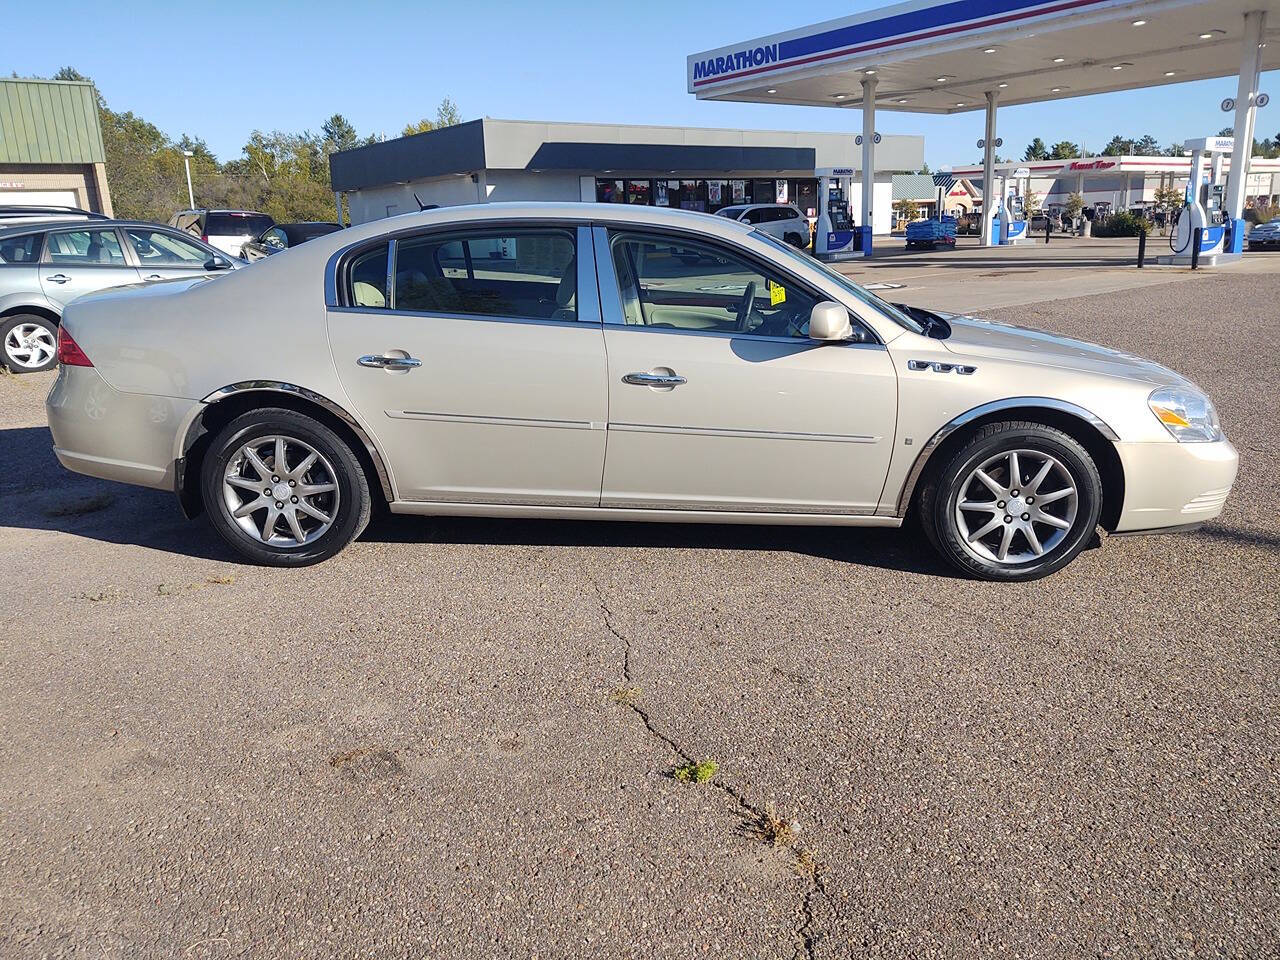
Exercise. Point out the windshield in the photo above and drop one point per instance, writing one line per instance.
(859, 293)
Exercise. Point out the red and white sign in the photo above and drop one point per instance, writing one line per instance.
(1090, 165)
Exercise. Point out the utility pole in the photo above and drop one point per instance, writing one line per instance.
(186, 162)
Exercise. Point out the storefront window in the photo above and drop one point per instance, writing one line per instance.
(610, 191)
(638, 192)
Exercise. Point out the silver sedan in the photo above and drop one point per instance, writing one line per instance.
(616, 363)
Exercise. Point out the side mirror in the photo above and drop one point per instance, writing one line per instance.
(830, 321)
(217, 263)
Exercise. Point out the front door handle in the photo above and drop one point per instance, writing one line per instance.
(153, 276)
(654, 379)
(59, 278)
(382, 361)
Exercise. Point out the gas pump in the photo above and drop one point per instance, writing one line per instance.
(835, 235)
(1203, 209)
(1013, 221)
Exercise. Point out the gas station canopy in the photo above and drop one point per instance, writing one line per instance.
(930, 57)
(927, 56)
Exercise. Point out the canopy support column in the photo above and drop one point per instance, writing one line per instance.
(868, 161)
(1246, 111)
(990, 202)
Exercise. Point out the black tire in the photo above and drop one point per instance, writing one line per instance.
(938, 498)
(335, 457)
(47, 332)
(795, 240)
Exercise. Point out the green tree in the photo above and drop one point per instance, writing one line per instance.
(1064, 150)
(421, 126)
(1074, 205)
(1036, 150)
(446, 116)
(70, 73)
(1147, 146)
(339, 134)
(908, 209)
(1117, 147)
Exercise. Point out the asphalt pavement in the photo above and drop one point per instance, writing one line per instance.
(458, 738)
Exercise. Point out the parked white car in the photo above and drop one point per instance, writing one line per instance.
(616, 363)
(781, 220)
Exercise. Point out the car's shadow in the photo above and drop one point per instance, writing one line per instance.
(37, 493)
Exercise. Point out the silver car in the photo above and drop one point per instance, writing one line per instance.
(45, 266)
(616, 363)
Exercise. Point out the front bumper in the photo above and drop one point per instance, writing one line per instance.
(100, 431)
(1174, 484)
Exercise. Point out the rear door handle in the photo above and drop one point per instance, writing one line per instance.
(654, 379)
(382, 361)
(153, 276)
(59, 278)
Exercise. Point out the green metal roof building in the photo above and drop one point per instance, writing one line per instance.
(51, 148)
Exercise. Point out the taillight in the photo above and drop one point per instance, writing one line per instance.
(69, 352)
(204, 238)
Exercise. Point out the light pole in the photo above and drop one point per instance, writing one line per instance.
(186, 162)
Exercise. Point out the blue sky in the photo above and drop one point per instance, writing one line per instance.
(220, 70)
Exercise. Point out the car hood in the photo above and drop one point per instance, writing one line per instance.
(975, 337)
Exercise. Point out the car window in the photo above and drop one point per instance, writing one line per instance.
(753, 216)
(156, 248)
(368, 278)
(275, 237)
(859, 293)
(85, 246)
(236, 224)
(686, 285)
(528, 274)
(23, 249)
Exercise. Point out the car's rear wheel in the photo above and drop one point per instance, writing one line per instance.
(795, 240)
(30, 343)
(283, 489)
(1018, 501)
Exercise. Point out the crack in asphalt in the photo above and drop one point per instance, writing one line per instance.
(806, 932)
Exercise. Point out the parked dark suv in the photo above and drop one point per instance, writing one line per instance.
(228, 230)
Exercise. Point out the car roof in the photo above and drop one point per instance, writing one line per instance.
(43, 226)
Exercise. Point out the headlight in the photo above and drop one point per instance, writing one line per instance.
(1187, 414)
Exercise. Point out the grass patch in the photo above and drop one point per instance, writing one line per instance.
(222, 580)
(699, 772)
(79, 506)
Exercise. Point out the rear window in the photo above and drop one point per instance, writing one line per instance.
(20, 249)
(236, 224)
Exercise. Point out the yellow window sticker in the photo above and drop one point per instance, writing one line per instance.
(777, 294)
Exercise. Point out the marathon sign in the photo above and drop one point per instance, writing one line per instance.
(733, 62)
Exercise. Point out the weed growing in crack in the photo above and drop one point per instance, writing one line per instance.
(768, 827)
(626, 696)
(697, 772)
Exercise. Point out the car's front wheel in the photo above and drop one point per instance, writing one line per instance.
(1018, 501)
(283, 489)
(30, 343)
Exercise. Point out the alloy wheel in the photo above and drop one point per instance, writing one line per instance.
(30, 346)
(1016, 506)
(281, 491)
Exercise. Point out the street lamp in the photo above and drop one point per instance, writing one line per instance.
(186, 162)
